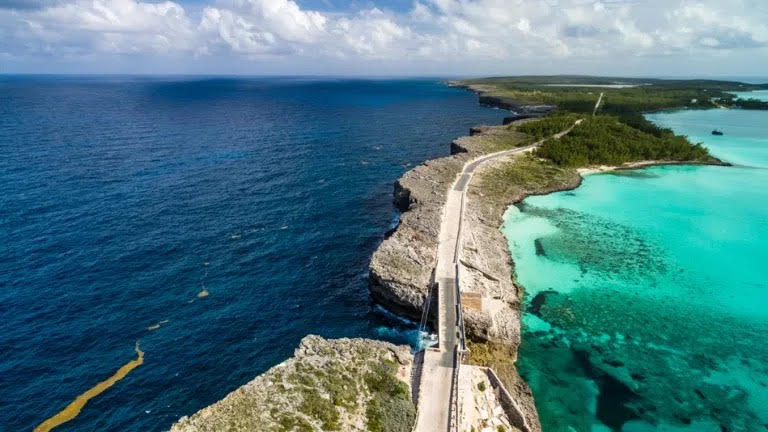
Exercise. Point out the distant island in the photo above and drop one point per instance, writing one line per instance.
(559, 128)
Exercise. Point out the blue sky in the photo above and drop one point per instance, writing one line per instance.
(396, 37)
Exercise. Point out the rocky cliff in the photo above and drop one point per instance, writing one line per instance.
(488, 96)
(342, 384)
(401, 268)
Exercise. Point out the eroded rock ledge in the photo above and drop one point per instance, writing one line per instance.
(519, 110)
(401, 268)
(341, 384)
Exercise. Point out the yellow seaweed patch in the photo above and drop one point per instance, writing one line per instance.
(156, 326)
(74, 408)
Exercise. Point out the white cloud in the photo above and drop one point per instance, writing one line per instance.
(106, 26)
(435, 31)
(371, 33)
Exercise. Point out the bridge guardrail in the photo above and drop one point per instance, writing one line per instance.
(460, 313)
(427, 303)
(513, 410)
(453, 422)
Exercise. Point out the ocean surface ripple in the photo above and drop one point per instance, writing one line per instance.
(124, 200)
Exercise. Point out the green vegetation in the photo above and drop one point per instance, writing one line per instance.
(318, 407)
(288, 422)
(481, 386)
(620, 133)
(525, 174)
(504, 138)
(750, 103)
(390, 408)
(605, 140)
(549, 125)
(642, 95)
(328, 390)
(328, 385)
(495, 138)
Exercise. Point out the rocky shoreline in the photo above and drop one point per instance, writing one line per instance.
(519, 111)
(401, 268)
(295, 393)
(340, 384)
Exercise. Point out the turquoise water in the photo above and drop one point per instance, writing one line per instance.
(647, 305)
(760, 95)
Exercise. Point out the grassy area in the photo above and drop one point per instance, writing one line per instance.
(508, 138)
(496, 138)
(327, 391)
(526, 174)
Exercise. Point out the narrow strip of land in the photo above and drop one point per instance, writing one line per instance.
(438, 371)
(597, 105)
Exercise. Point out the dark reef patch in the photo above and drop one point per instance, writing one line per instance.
(538, 301)
(637, 173)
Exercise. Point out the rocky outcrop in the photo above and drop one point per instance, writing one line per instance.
(401, 268)
(520, 110)
(342, 384)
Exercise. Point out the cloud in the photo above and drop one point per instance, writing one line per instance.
(28, 4)
(433, 31)
(99, 26)
(715, 25)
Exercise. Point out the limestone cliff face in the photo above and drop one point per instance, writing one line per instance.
(401, 268)
(342, 384)
(521, 110)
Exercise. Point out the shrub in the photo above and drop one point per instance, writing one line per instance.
(608, 141)
(390, 408)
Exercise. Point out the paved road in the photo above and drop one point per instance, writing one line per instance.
(597, 105)
(437, 373)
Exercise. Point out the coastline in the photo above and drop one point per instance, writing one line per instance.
(645, 164)
(401, 268)
(651, 208)
(493, 312)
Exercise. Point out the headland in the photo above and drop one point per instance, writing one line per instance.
(610, 132)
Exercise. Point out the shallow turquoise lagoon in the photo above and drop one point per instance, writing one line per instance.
(759, 94)
(647, 304)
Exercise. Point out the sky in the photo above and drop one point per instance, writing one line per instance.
(386, 38)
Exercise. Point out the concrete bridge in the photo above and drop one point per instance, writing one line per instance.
(437, 389)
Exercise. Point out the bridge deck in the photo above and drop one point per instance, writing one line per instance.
(438, 369)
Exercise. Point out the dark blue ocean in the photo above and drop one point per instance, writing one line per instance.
(122, 199)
